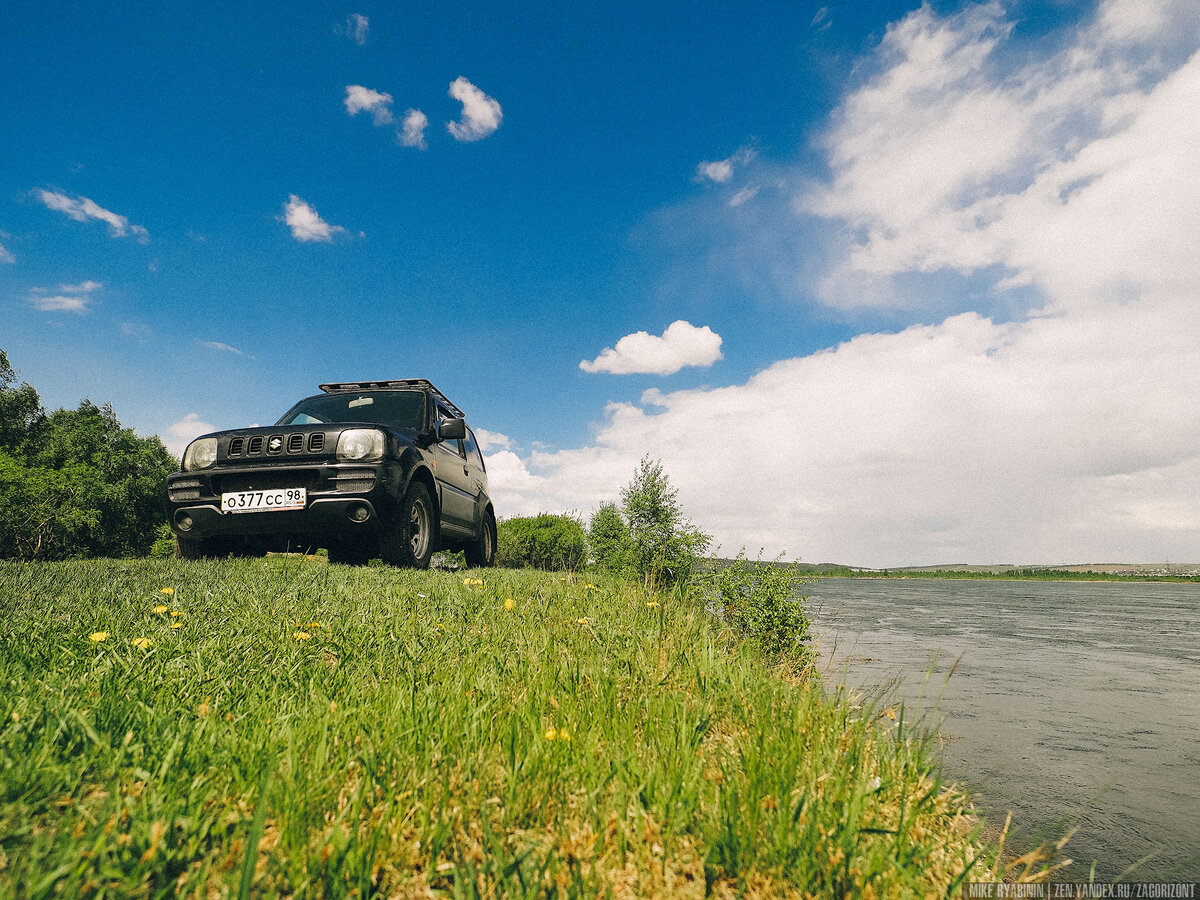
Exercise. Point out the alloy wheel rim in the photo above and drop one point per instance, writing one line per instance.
(419, 525)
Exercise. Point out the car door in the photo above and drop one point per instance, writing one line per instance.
(454, 479)
(475, 467)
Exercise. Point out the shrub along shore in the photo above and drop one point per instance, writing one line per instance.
(282, 726)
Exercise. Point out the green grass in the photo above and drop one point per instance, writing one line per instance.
(425, 741)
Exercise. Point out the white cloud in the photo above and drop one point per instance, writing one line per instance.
(412, 130)
(221, 348)
(481, 114)
(76, 298)
(81, 209)
(721, 171)
(363, 99)
(181, 433)
(681, 345)
(946, 162)
(305, 224)
(1068, 435)
(492, 440)
(745, 195)
(5, 256)
(357, 28)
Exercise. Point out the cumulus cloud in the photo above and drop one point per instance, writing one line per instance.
(492, 440)
(1064, 434)
(305, 224)
(947, 162)
(363, 99)
(82, 209)
(481, 114)
(357, 28)
(680, 346)
(181, 433)
(76, 298)
(412, 130)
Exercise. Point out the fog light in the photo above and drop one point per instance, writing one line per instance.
(359, 513)
(184, 522)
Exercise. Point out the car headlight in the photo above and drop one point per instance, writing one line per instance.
(360, 444)
(200, 454)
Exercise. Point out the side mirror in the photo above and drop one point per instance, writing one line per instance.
(452, 430)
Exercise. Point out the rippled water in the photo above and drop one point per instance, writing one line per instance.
(1074, 702)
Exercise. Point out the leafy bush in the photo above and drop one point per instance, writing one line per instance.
(609, 538)
(762, 602)
(541, 542)
(663, 546)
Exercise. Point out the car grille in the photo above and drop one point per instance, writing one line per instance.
(296, 443)
(267, 480)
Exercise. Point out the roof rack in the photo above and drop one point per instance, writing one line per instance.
(418, 384)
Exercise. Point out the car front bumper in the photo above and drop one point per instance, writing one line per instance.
(341, 499)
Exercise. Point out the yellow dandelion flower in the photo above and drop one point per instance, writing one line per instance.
(551, 734)
(160, 609)
(176, 624)
(470, 581)
(510, 604)
(98, 636)
(564, 735)
(652, 603)
(302, 635)
(314, 625)
(583, 621)
(590, 587)
(167, 591)
(142, 643)
(175, 613)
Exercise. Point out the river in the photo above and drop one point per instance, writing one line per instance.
(1073, 703)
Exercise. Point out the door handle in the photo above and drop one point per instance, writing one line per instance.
(466, 471)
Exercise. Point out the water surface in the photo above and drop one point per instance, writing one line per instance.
(1073, 702)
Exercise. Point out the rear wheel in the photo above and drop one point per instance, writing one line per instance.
(410, 541)
(481, 552)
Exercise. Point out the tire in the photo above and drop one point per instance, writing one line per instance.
(411, 540)
(189, 548)
(481, 552)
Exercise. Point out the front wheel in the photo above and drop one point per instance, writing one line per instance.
(481, 552)
(410, 541)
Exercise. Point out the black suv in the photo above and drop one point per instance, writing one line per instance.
(365, 469)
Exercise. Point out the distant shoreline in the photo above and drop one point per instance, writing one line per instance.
(1171, 573)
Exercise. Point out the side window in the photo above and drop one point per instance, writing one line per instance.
(455, 446)
(474, 457)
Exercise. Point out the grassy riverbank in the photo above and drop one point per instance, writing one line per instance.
(283, 726)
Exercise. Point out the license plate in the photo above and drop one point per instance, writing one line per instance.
(264, 501)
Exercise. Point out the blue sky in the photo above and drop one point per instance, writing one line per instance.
(877, 227)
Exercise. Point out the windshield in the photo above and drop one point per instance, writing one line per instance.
(399, 409)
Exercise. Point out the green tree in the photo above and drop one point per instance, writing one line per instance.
(608, 536)
(664, 547)
(541, 542)
(20, 408)
(74, 483)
